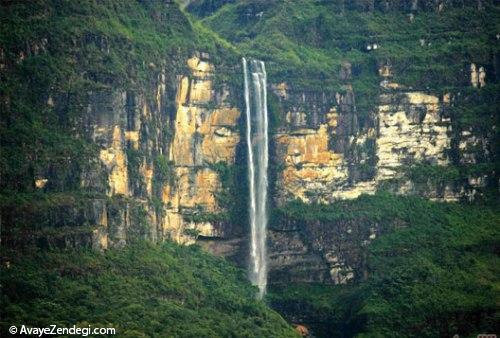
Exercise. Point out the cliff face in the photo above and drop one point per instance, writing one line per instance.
(112, 134)
(327, 152)
(167, 143)
(155, 157)
(159, 147)
(335, 155)
(157, 150)
(202, 136)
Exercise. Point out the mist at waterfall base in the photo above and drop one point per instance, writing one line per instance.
(255, 82)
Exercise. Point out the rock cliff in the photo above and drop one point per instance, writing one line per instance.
(203, 132)
(158, 151)
(154, 165)
(161, 135)
(327, 153)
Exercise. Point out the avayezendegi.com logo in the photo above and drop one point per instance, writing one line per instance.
(25, 330)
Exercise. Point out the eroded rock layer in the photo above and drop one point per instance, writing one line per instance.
(154, 174)
(327, 150)
(332, 156)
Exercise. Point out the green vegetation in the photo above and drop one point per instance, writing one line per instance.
(304, 43)
(164, 171)
(142, 291)
(435, 278)
(422, 173)
(431, 271)
(55, 54)
(382, 208)
(312, 38)
(434, 272)
(425, 177)
(232, 197)
(29, 217)
(134, 160)
(324, 309)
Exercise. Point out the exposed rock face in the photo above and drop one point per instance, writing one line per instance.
(202, 136)
(200, 133)
(291, 259)
(313, 251)
(329, 152)
(477, 76)
(114, 159)
(321, 164)
(156, 149)
(309, 164)
(411, 128)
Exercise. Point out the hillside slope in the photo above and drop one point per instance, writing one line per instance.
(432, 272)
(351, 67)
(142, 291)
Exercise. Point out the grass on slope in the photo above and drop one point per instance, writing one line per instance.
(314, 37)
(142, 291)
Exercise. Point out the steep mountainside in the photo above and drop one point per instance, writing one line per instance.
(368, 96)
(141, 291)
(121, 122)
(115, 127)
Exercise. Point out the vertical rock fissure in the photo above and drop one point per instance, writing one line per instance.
(258, 159)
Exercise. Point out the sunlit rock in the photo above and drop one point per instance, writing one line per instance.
(40, 183)
(114, 158)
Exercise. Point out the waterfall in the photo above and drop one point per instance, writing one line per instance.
(258, 159)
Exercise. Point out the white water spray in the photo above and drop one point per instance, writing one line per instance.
(258, 159)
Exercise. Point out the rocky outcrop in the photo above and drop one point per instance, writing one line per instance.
(156, 149)
(203, 136)
(319, 252)
(412, 128)
(334, 152)
(309, 164)
(321, 165)
(477, 76)
(331, 156)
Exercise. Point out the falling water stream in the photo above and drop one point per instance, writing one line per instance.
(258, 159)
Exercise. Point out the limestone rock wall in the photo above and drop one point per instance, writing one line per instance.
(342, 159)
(338, 157)
(155, 152)
(205, 133)
(327, 149)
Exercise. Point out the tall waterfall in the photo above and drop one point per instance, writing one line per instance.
(258, 159)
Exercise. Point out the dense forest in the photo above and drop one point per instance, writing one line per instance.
(123, 167)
